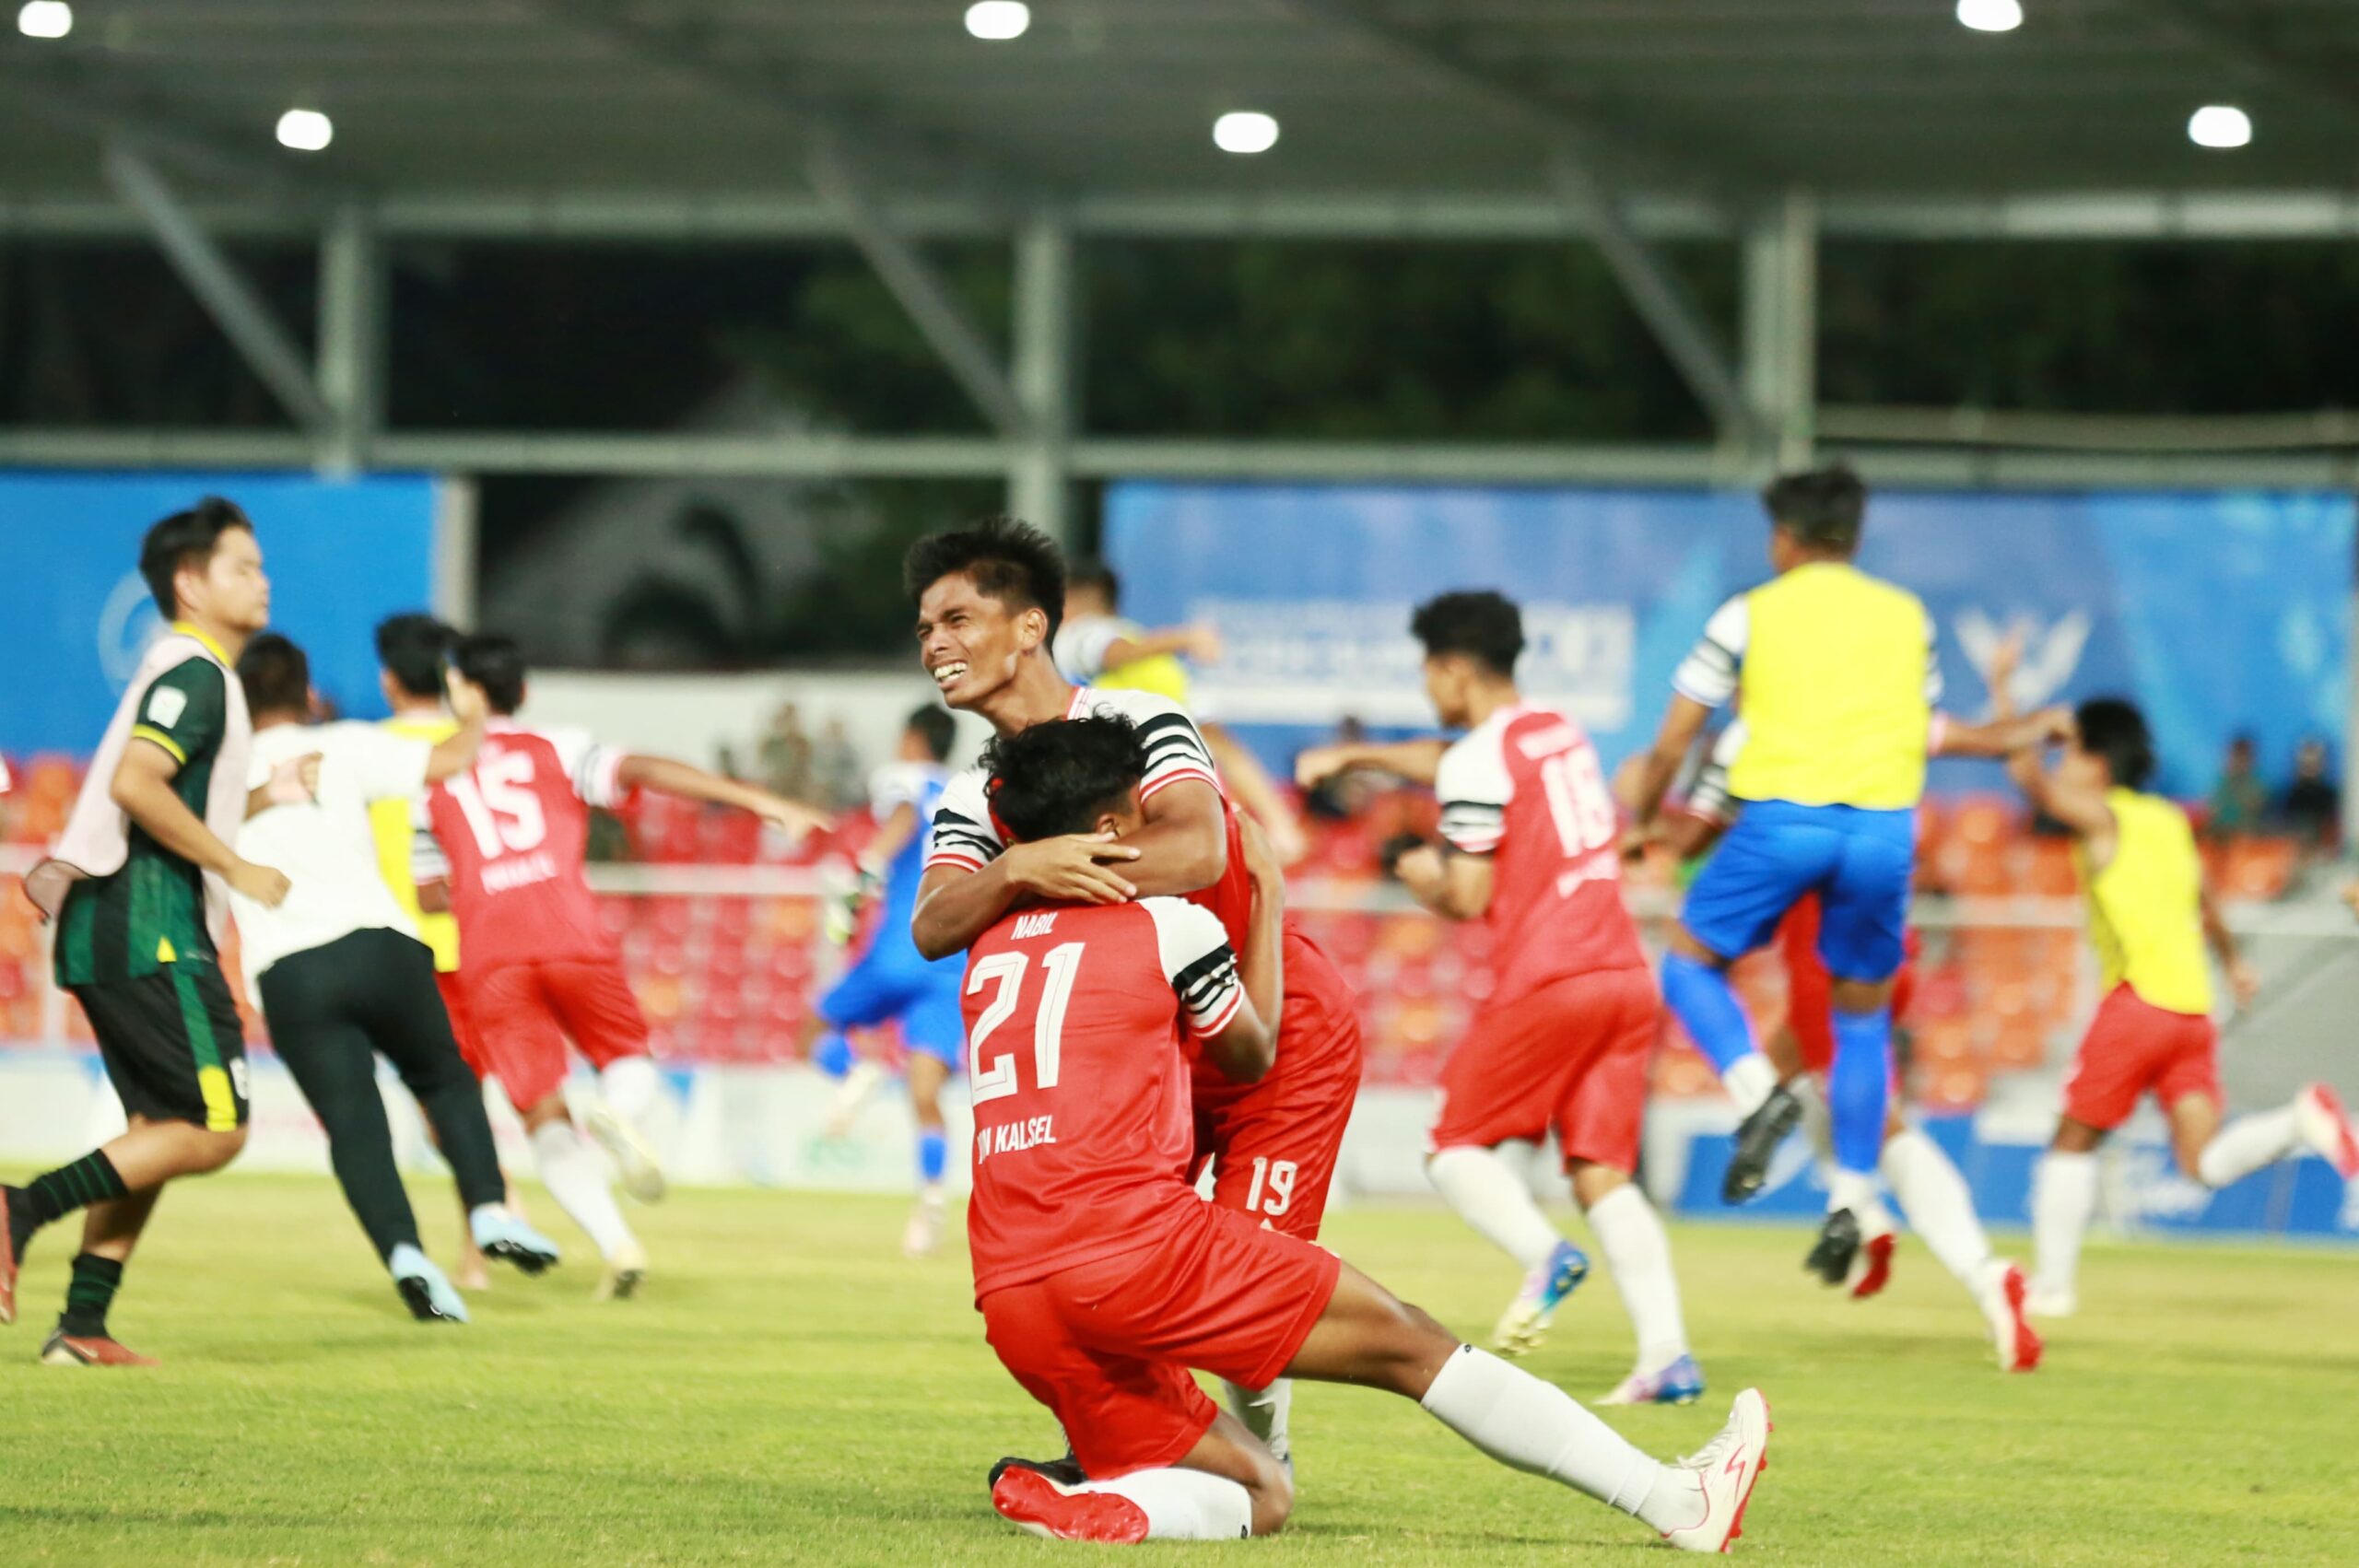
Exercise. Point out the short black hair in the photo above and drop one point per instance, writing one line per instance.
(1010, 560)
(934, 725)
(412, 647)
(495, 663)
(276, 675)
(2112, 728)
(1820, 507)
(185, 539)
(1483, 626)
(1058, 776)
(1096, 574)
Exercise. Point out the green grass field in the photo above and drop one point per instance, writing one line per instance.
(790, 1390)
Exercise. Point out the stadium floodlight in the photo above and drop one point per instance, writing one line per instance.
(2219, 126)
(1245, 131)
(305, 130)
(998, 21)
(1990, 16)
(45, 19)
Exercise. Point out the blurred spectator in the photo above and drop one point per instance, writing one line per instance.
(2239, 801)
(836, 778)
(2312, 809)
(786, 756)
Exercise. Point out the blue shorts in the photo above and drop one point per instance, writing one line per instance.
(923, 997)
(1859, 863)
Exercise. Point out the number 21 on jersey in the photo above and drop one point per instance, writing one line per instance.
(996, 1078)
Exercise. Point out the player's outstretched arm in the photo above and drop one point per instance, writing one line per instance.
(142, 786)
(1257, 792)
(668, 776)
(1416, 761)
(1201, 643)
(1660, 765)
(455, 752)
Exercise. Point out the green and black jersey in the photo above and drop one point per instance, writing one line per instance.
(152, 911)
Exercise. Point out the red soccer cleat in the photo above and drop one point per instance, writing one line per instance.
(1878, 1272)
(1031, 1501)
(74, 1350)
(2012, 1335)
(2327, 1128)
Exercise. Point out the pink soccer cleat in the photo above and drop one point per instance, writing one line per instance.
(1030, 1501)
(2318, 1110)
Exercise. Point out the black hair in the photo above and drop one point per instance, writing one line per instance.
(1096, 574)
(276, 675)
(1058, 776)
(1485, 625)
(185, 539)
(1010, 560)
(1822, 508)
(2113, 728)
(935, 726)
(495, 663)
(412, 648)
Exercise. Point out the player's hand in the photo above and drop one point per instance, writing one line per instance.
(1261, 862)
(2057, 724)
(2005, 660)
(1314, 766)
(295, 782)
(794, 819)
(2244, 982)
(1289, 842)
(1076, 868)
(263, 885)
(468, 705)
(1420, 870)
(1203, 643)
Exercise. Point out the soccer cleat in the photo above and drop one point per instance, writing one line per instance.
(1838, 1243)
(2317, 1111)
(1757, 1138)
(1525, 1322)
(2002, 1296)
(624, 1272)
(2046, 1301)
(923, 1236)
(501, 1234)
(7, 1257)
(1729, 1466)
(1030, 1501)
(642, 1173)
(62, 1349)
(422, 1288)
(1877, 1250)
(1065, 1471)
(1681, 1383)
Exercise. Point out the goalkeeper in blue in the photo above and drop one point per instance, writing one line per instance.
(891, 982)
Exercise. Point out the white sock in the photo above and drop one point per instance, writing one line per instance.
(630, 1085)
(2063, 1196)
(1264, 1414)
(1857, 1191)
(1937, 1203)
(1749, 1080)
(1818, 1122)
(1495, 1200)
(1637, 1254)
(575, 1172)
(1539, 1428)
(2248, 1143)
(1185, 1505)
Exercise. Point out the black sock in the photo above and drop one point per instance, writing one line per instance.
(89, 1296)
(90, 1179)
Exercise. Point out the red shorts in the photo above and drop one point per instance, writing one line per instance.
(1571, 1056)
(2134, 1047)
(454, 1003)
(1810, 990)
(521, 1014)
(1273, 1145)
(1107, 1345)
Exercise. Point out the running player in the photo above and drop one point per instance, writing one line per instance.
(1837, 675)
(1562, 1043)
(892, 981)
(2150, 917)
(1102, 1280)
(989, 598)
(540, 967)
(138, 887)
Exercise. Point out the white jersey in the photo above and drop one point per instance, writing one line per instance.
(967, 836)
(326, 848)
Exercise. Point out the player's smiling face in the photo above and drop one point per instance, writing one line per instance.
(971, 643)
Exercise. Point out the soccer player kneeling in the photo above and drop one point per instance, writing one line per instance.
(1103, 1279)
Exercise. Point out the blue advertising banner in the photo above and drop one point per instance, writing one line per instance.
(340, 554)
(2219, 613)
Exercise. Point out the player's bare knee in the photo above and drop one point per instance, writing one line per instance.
(1273, 1495)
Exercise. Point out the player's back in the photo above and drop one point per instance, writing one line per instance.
(515, 829)
(1525, 788)
(1081, 1128)
(1836, 697)
(2146, 904)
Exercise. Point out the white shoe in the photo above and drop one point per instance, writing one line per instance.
(2048, 1301)
(624, 1273)
(2318, 1113)
(2003, 1297)
(1728, 1465)
(923, 1238)
(642, 1173)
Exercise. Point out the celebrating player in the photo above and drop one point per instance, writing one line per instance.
(2149, 916)
(894, 982)
(1528, 846)
(540, 967)
(138, 887)
(1836, 677)
(989, 598)
(1102, 1280)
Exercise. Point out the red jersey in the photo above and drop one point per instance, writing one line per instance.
(514, 829)
(1525, 788)
(1074, 1016)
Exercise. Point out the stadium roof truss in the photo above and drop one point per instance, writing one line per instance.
(1619, 123)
